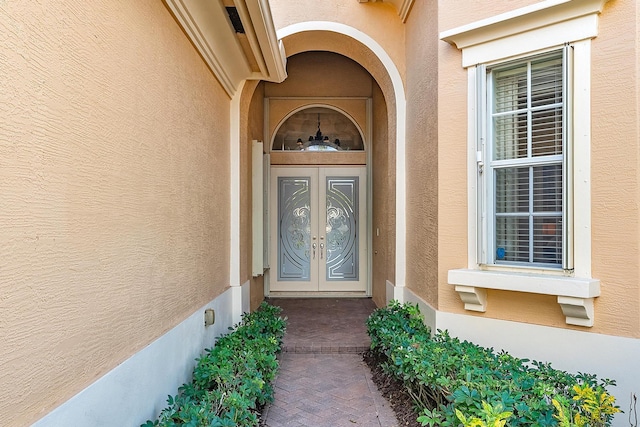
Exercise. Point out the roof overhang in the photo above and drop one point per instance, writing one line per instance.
(233, 56)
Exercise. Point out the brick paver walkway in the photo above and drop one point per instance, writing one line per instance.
(323, 381)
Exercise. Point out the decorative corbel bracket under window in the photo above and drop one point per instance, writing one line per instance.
(575, 295)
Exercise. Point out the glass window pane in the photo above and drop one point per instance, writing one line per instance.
(546, 132)
(303, 126)
(510, 136)
(547, 240)
(512, 239)
(546, 81)
(527, 126)
(512, 190)
(510, 89)
(547, 188)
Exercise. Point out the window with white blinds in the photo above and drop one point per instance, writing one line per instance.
(526, 155)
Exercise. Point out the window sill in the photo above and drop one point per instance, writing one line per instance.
(575, 295)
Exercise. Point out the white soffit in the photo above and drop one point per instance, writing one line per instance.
(403, 6)
(547, 23)
(207, 25)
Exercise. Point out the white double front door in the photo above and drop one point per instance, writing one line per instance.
(318, 229)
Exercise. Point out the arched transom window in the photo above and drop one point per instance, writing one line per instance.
(318, 129)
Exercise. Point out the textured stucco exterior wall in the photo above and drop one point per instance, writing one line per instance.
(638, 123)
(615, 168)
(381, 228)
(614, 174)
(452, 152)
(391, 193)
(114, 192)
(455, 13)
(422, 151)
(314, 74)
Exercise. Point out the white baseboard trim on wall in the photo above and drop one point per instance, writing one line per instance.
(137, 389)
(426, 309)
(246, 296)
(394, 292)
(573, 351)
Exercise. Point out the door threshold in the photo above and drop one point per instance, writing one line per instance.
(283, 294)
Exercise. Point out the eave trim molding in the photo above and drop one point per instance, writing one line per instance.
(542, 14)
(403, 6)
(207, 26)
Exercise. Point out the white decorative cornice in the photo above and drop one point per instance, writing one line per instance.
(538, 15)
(544, 25)
(207, 25)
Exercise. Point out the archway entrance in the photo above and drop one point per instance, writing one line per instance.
(352, 111)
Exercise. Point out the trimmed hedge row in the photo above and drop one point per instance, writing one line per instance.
(455, 382)
(233, 379)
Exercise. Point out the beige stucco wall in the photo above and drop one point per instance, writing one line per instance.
(615, 168)
(452, 14)
(382, 202)
(614, 174)
(422, 152)
(314, 74)
(452, 152)
(114, 200)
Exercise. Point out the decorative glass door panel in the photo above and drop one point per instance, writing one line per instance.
(342, 228)
(318, 230)
(294, 228)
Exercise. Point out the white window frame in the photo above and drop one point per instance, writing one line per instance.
(485, 173)
(525, 32)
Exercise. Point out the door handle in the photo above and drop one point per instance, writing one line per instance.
(314, 250)
(321, 248)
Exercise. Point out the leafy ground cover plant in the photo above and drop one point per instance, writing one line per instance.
(233, 379)
(455, 382)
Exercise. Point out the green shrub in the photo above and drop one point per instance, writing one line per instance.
(233, 379)
(452, 380)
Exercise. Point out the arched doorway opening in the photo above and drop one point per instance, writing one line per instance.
(319, 127)
(324, 77)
